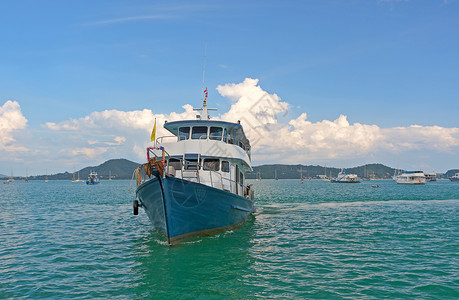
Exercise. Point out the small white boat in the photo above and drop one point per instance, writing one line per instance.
(11, 179)
(411, 177)
(344, 177)
(431, 176)
(455, 177)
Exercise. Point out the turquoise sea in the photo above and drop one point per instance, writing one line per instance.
(315, 240)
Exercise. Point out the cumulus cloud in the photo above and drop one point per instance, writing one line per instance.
(301, 140)
(126, 134)
(11, 121)
(89, 152)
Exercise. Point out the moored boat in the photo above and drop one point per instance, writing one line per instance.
(194, 182)
(92, 178)
(455, 177)
(411, 177)
(430, 177)
(344, 177)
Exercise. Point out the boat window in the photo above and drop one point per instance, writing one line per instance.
(225, 137)
(225, 166)
(215, 133)
(241, 178)
(199, 133)
(184, 133)
(212, 164)
(175, 163)
(191, 164)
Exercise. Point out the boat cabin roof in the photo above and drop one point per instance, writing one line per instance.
(234, 129)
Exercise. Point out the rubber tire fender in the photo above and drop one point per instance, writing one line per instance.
(135, 206)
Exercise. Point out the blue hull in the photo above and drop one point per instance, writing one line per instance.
(182, 209)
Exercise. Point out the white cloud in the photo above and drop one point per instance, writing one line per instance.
(11, 120)
(126, 134)
(89, 152)
(302, 141)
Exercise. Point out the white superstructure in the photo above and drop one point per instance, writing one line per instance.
(411, 177)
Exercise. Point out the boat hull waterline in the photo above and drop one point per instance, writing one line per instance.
(181, 209)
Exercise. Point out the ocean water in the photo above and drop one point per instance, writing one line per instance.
(316, 240)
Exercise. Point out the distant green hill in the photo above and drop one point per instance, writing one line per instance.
(119, 169)
(123, 168)
(294, 171)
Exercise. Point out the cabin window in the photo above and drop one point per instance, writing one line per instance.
(191, 164)
(211, 164)
(225, 137)
(241, 178)
(199, 133)
(175, 163)
(225, 166)
(215, 133)
(184, 133)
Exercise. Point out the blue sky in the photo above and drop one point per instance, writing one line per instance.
(391, 64)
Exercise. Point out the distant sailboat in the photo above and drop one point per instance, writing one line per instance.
(26, 176)
(11, 179)
(258, 176)
(73, 178)
(301, 177)
(109, 174)
(46, 176)
(275, 175)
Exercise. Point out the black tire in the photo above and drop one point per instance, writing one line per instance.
(135, 205)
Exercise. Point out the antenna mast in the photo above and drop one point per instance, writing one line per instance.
(204, 108)
(204, 72)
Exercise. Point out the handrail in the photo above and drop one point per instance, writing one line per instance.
(159, 140)
(186, 162)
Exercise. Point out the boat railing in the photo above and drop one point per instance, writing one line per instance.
(160, 140)
(190, 175)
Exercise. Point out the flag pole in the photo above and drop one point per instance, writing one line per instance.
(203, 73)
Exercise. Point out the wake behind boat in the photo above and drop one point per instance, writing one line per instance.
(194, 182)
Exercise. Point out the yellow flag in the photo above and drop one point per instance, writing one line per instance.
(153, 133)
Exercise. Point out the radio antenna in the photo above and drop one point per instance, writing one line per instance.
(204, 72)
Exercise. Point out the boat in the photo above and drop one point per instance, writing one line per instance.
(11, 179)
(78, 179)
(430, 177)
(411, 177)
(258, 176)
(193, 183)
(92, 178)
(344, 177)
(455, 178)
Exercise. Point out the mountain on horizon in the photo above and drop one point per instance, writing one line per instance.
(294, 171)
(123, 169)
(118, 168)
